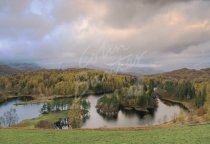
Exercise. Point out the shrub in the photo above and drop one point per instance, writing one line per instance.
(201, 111)
(44, 124)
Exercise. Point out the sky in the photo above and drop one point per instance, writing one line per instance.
(158, 34)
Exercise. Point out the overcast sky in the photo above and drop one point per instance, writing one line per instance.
(161, 34)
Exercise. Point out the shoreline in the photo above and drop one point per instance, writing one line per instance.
(38, 99)
(181, 104)
(166, 98)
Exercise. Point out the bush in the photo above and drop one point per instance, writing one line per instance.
(201, 111)
(181, 117)
(23, 124)
(44, 124)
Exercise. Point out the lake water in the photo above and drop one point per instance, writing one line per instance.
(23, 111)
(130, 118)
(162, 114)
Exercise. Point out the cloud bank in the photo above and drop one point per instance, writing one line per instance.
(150, 33)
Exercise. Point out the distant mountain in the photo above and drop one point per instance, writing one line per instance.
(187, 74)
(25, 66)
(13, 68)
(5, 69)
(138, 71)
(131, 70)
(123, 69)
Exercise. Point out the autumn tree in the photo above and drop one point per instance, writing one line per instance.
(75, 114)
(201, 97)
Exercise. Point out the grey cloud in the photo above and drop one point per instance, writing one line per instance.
(66, 11)
(14, 7)
(18, 22)
(97, 31)
(31, 26)
(137, 12)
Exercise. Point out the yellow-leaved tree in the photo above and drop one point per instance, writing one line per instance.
(75, 114)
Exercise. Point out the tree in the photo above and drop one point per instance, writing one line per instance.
(9, 118)
(85, 104)
(142, 101)
(204, 92)
(151, 88)
(2, 121)
(44, 109)
(75, 114)
(201, 98)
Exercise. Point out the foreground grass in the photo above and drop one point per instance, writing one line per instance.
(179, 135)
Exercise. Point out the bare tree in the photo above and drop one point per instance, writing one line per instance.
(2, 121)
(9, 118)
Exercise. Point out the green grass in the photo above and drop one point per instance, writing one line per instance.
(52, 117)
(180, 135)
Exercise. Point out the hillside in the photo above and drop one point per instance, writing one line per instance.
(189, 87)
(69, 82)
(180, 135)
(187, 74)
(14, 68)
(5, 70)
(25, 66)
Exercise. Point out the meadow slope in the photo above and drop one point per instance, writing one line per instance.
(179, 135)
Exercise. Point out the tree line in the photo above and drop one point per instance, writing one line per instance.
(63, 82)
(185, 90)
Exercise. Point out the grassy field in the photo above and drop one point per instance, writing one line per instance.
(180, 135)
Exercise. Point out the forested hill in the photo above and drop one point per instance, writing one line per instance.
(189, 85)
(184, 73)
(70, 82)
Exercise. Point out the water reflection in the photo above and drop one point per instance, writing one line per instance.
(130, 118)
(124, 118)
